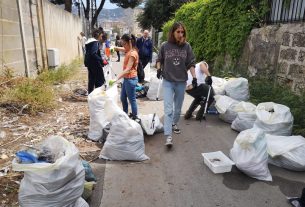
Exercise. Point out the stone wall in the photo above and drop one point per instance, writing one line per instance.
(277, 51)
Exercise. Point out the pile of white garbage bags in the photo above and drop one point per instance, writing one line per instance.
(287, 151)
(155, 90)
(238, 89)
(151, 124)
(225, 106)
(96, 102)
(53, 184)
(125, 140)
(250, 155)
(246, 116)
(274, 119)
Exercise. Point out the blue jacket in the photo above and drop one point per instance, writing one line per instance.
(145, 48)
(93, 59)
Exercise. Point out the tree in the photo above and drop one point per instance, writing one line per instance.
(126, 3)
(68, 4)
(157, 12)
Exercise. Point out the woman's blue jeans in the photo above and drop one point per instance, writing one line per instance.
(129, 91)
(173, 93)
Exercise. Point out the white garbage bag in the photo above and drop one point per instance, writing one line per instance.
(287, 151)
(96, 102)
(58, 184)
(151, 123)
(125, 140)
(219, 85)
(246, 116)
(225, 106)
(155, 91)
(238, 89)
(274, 119)
(250, 155)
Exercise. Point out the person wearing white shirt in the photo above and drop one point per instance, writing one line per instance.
(199, 93)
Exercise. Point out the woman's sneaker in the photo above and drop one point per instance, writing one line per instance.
(176, 130)
(169, 141)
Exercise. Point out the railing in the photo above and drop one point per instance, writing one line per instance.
(283, 11)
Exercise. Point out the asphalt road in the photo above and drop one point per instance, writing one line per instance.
(179, 178)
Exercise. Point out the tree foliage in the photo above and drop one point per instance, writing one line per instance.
(126, 3)
(157, 12)
(218, 27)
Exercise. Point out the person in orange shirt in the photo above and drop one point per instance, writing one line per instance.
(129, 74)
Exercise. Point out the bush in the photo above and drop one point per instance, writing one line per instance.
(263, 90)
(61, 74)
(218, 27)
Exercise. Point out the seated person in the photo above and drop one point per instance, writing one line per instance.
(199, 93)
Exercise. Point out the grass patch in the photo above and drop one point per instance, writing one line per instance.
(263, 90)
(35, 95)
(61, 74)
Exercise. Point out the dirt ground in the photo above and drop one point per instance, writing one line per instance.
(70, 120)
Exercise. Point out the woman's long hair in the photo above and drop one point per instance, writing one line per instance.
(171, 36)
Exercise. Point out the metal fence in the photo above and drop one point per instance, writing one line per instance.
(282, 11)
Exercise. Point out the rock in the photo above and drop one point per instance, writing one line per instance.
(3, 157)
(2, 134)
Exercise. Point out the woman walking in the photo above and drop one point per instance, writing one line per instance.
(174, 60)
(129, 74)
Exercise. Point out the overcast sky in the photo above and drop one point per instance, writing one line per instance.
(108, 5)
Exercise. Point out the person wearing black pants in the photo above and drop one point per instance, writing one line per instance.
(94, 61)
(199, 93)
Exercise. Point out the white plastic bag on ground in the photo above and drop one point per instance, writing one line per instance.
(125, 140)
(96, 101)
(274, 119)
(151, 123)
(287, 151)
(250, 155)
(155, 89)
(225, 106)
(246, 116)
(238, 89)
(58, 184)
(219, 85)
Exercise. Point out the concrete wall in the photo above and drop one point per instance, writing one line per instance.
(11, 53)
(24, 49)
(61, 31)
(277, 51)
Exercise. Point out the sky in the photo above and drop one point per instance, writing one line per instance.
(107, 5)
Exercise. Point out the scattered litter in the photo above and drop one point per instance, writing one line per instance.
(2, 134)
(89, 176)
(4, 157)
(4, 171)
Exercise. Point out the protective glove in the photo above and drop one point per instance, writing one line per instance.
(159, 73)
(194, 83)
(208, 80)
